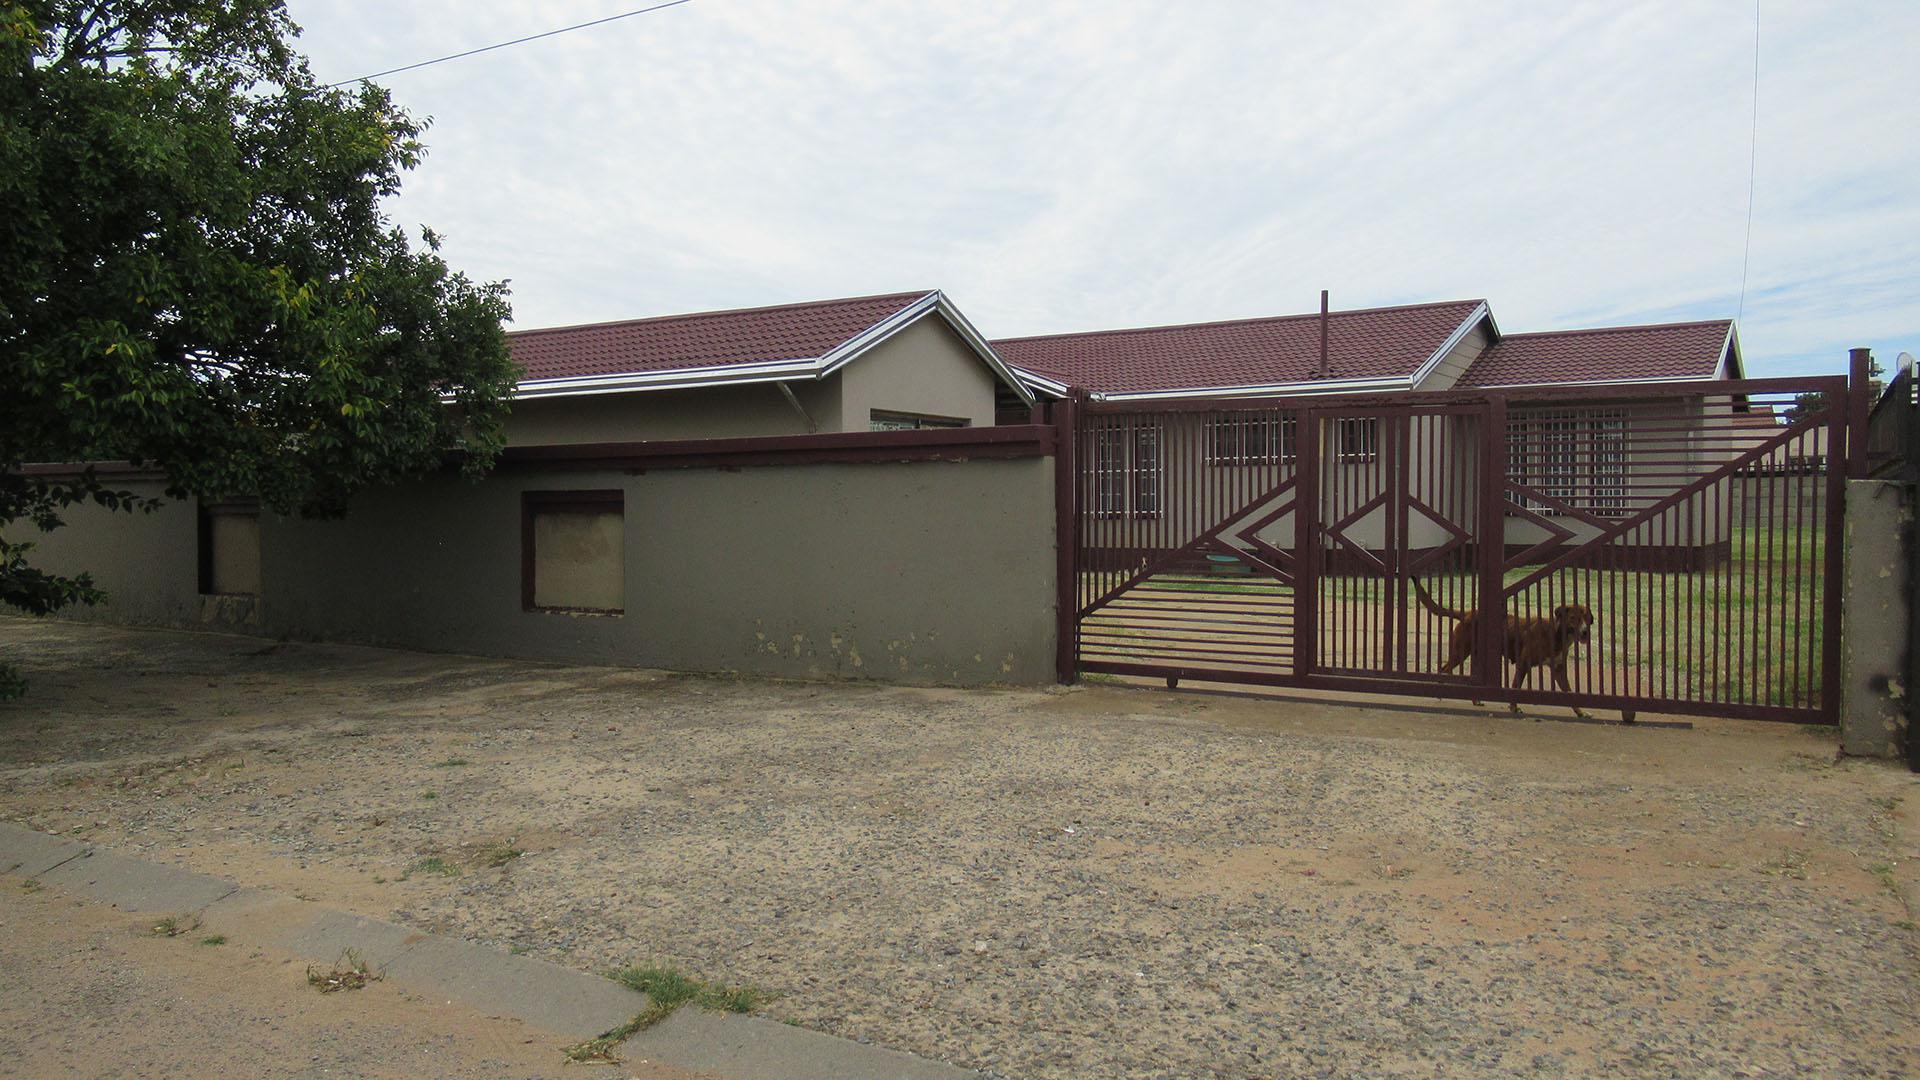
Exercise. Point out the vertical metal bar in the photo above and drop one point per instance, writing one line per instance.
(1154, 530)
(1801, 696)
(1664, 620)
(1642, 535)
(1337, 610)
(1770, 596)
(1609, 678)
(1693, 574)
(1366, 482)
(1306, 542)
(1726, 579)
(1489, 661)
(1754, 585)
(1750, 633)
(1676, 626)
(1404, 459)
(1385, 458)
(1831, 568)
(1066, 520)
(1197, 510)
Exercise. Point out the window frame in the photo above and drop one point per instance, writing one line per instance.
(1579, 456)
(1229, 438)
(1126, 471)
(203, 539)
(910, 421)
(1369, 448)
(585, 501)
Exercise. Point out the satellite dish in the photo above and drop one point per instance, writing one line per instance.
(1903, 362)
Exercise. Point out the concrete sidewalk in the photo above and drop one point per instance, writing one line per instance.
(572, 1004)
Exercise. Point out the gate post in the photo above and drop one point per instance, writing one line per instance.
(1489, 657)
(1859, 410)
(1066, 534)
(1306, 543)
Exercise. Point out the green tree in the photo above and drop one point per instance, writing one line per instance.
(196, 275)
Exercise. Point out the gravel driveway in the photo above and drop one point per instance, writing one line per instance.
(1091, 882)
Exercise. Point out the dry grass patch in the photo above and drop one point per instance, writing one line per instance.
(349, 972)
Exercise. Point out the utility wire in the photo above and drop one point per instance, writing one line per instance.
(504, 44)
(1753, 154)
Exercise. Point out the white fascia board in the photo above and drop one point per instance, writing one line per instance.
(1649, 381)
(1329, 386)
(973, 337)
(935, 302)
(1453, 340)
(667, 380)
(844, 353)
(1336, 386)
(1059, 389)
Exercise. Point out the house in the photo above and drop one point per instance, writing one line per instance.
(912, 361)
(1412, 347)
(899, 362)
(1568, 462)
(857, 487)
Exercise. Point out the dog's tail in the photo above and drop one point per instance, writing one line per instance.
(1426, 601)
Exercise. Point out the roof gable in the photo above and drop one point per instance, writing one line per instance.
(705, 339)
(787, 341)
(1690, 350)
(1376, 344)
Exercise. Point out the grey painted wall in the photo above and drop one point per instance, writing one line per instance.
(1874, 620)
(149, 564)
(935, 572)
(925, 369)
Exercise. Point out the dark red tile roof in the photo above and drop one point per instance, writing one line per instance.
(1667, 350)
(704, 340)
(1384, 342)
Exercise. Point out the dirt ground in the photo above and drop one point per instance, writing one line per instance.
(1091, 882)
(94, 992)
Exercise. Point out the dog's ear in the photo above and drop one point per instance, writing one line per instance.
(1564, 615)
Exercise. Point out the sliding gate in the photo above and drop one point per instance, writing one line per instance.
(1289, 542)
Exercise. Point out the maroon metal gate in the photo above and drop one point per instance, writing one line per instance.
(1336, 542)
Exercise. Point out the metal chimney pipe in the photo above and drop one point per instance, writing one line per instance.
(1321, 371)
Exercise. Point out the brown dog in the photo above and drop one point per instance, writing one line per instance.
(1531, 642)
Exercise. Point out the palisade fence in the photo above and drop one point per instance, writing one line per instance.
(1289, 542)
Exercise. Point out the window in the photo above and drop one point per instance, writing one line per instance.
(881, 420)
(573, 551)
(1126, 471)
(230, 549)
(1250, 439)
(1359, 438)
(1146, 472)
(1575, 456)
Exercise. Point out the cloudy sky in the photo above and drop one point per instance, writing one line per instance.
(1072, 166)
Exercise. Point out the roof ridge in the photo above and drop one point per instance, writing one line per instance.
(903, 296)
(1236, 322)
(1617, 329)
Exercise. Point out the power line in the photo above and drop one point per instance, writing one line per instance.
(1753, 155)
(515, 41)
